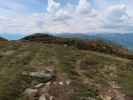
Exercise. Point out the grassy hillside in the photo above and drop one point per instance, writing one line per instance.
(82, 44)
(92, 74)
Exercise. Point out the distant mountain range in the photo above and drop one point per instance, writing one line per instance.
(125, 40)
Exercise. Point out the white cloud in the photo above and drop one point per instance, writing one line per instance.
(80, 18)
(116, 19)
(21, 24)
(83, 7)
(53, 6)
(70, 18)
(117, 13)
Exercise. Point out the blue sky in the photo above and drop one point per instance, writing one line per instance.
(82, 16)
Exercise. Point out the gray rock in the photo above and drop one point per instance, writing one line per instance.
(30, 94)
(42, 97)
(39, 85)
(41, 76)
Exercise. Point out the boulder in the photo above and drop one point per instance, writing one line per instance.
(40, 76)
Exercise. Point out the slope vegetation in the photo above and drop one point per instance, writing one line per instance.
(89, 75)
(82, 44)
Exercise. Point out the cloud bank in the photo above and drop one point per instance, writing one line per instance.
(82, 17)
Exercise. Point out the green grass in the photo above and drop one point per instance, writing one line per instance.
(74, 64)
(125, 78)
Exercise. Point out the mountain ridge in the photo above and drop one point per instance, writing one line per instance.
(119, 38)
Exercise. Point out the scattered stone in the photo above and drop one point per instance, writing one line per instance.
(30, 91)
(61, 83)
(106, 97)
(39, 85)
(25, 73)
(50, 69)
(30, 94)
(68, 82)
(48, 83)
(51, 98)
(42, 97)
